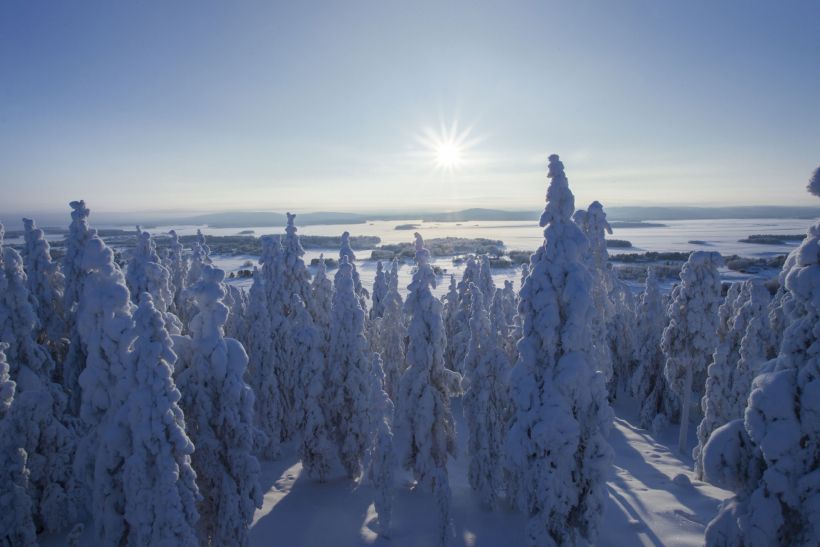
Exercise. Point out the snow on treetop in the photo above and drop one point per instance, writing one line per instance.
(560, 201)
(345, 249)
(814, 183)
(702, 258)
(209, 288)
(96, 254)
(80, 211)
(422, 254)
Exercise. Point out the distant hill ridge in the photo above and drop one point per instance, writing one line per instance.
(618, 213)
(265, 219)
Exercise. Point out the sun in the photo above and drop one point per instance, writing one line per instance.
(447, 148)
(448, 155)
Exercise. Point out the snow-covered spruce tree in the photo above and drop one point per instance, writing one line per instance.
(39, 421)
(177, 264)
(18, 319)
(736, 361)
(296, 278)
(594, 225)
(237, 302)
(146, 273)
(485, 282)
(657, 403)
(500, 329)
(621, 331)
(273, 273)
(200, 257)
(690, 338)
(457, 347)
(486, 402)
(345, 250)
(379, 292)
(718, 389)
(105, 326)
(392, 334)
(261, 371)
(46, 283)
(556, 449)
(159, 482)
(754, 346)
(315, 447)
(74, 274)
(777, 492)
(383, 457)
(218, 407)
(16, 523)
(348, 371)
(425, 429)
(321, 299)
(450, 315)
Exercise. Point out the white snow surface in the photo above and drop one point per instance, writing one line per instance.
(653, 500)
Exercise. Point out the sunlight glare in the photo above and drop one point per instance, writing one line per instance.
(448, 147)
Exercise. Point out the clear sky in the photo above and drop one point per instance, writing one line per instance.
(351, 105)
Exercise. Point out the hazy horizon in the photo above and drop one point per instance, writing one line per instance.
(362, 107)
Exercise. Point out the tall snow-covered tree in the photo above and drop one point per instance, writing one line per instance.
(79, 233)
(261, 372)
(485, 281)
(237, 302)
(160, 484)
(379, 292)
(296, 278)
(106, 329)
(736, 360)
(461, 320)
(16, 523)
(770, 459)
(425, 429)
(486, 402)
(594, 225)
(321, 291)
(218, 407)
(392, 334)
(556, 449)
(146, 273)
(690, 338)
(657, 403)
(39, 422)
(348, 371)
(46, 283)
(18, 317)
(345, 250)
(316, 450)
(450, 315)
(754, 346)
(177, 264)
(274, 273)
(383, 457)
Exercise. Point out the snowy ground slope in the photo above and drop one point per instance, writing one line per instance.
(647, 504)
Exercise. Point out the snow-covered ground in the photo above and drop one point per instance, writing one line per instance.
(653, 501)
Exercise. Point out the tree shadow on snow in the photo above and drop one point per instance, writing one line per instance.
(314, 513)
(643, 471)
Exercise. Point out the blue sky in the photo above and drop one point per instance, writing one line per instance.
(214, 105)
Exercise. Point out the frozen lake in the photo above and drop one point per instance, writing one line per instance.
(715, 235)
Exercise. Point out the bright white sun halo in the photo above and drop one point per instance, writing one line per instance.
(448, 155)
(447, 147)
